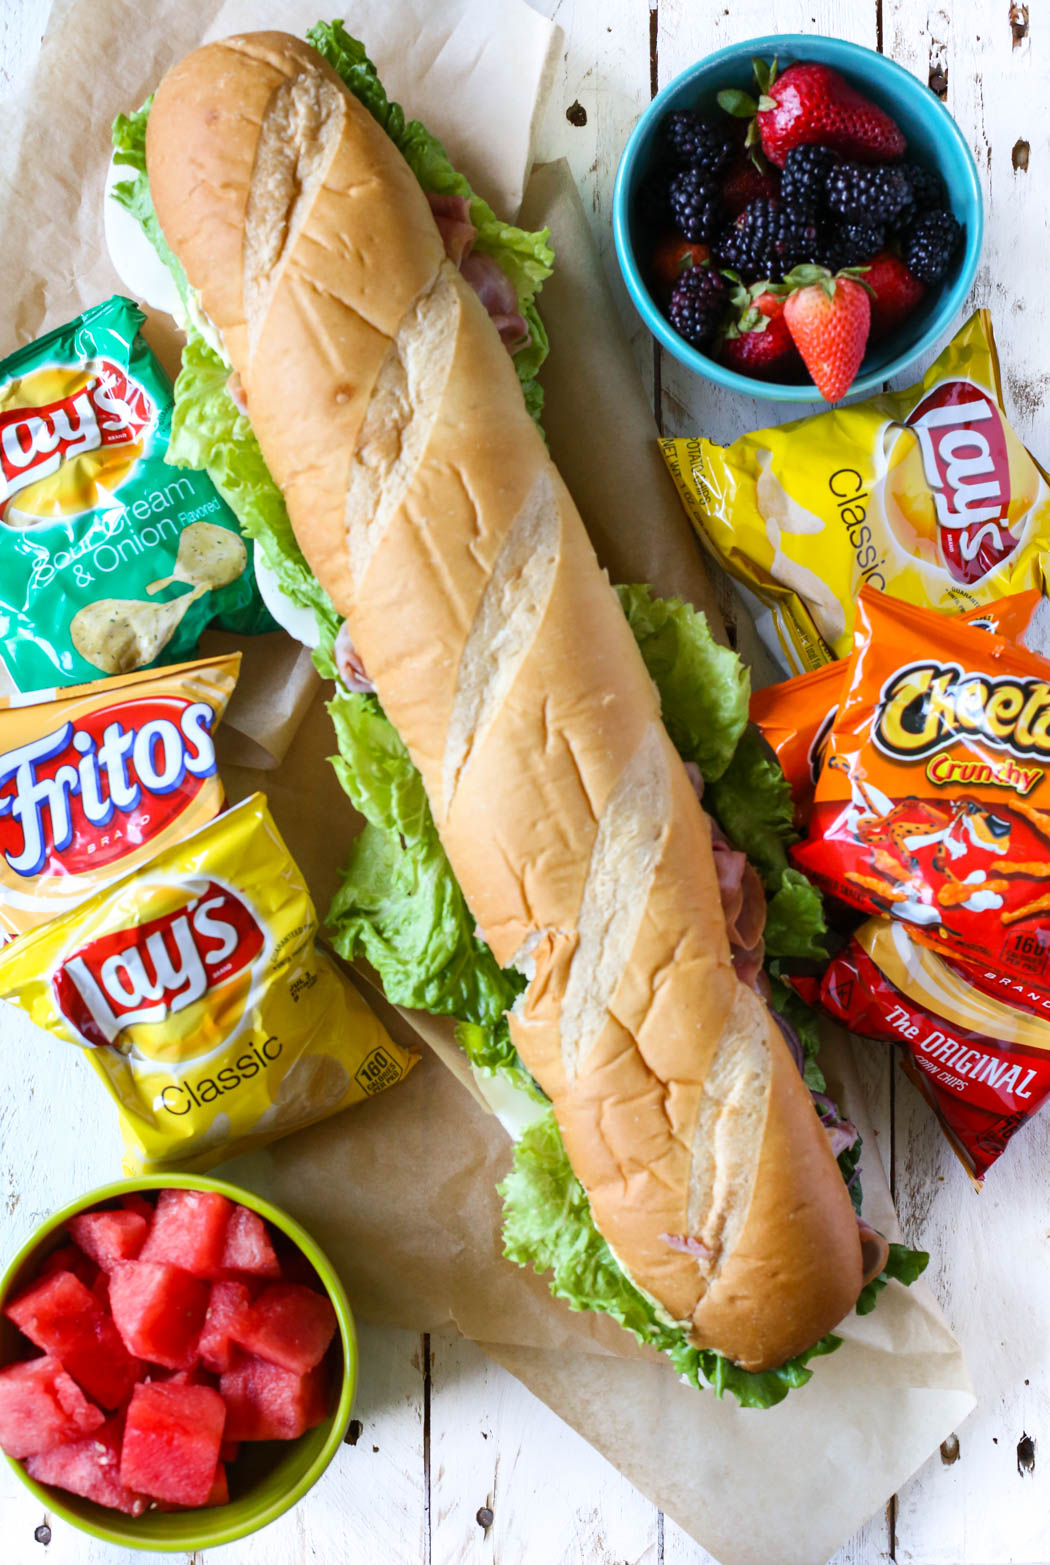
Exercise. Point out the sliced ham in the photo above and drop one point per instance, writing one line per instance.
(487, 278)
(452, 215)
(744, 910)
(687, 1245)
(351, 669)
(497, 293)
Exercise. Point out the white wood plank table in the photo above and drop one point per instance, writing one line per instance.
(450, 1460)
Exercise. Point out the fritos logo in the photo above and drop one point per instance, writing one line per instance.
(967, 465)
(149, 972)
(91, 790)
(108, 409)
(928, 705)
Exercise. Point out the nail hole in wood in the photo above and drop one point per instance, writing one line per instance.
(43, 1534)
(576, 114)
(1019, 156)
(355, 1429)
(1019, 23)
(484, 1517)
(950, 1450)
(1026, 1456)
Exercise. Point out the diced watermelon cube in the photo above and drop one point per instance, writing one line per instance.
(219, 1493)
(265, 1402)
(159, 1311)
(100, 1288)
(294, 1265)
(229, 1450)
(197, 1376)
(228, 1309)
(42, 1406)
(171, 1442)
(189, 1230)
(247, 1247)
(70, 1258)
(65, 1319)
(136, 1202)
(109, 1237)
(90, 1467)
(289, 1325)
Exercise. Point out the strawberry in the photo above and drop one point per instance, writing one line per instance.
(743, 183)
(758, 342)
(896, 293)
(829, 319)
(673, 255)
(811, 103)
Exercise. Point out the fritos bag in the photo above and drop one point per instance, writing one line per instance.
(796, 716)
(97, 779)
(933, 805)
(926, 494)
(110, 560)
(982, 1063)
(196, 986)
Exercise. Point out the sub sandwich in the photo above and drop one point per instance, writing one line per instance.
(533, 751)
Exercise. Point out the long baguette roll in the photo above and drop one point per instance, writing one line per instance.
(425, 500)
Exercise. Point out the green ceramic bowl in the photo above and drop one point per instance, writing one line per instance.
(267, 1479)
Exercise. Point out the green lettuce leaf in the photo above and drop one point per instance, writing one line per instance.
(208, 431)
(129, 149)
(704, 687)
(547, 1224)
(527, 258)
(805, 1024)
(752, 803)
(903, 1265)
(795, 918)
(400, 906)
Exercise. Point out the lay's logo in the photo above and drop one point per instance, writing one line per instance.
(108, 409)
(92, 790)
(150, 972)
(967, 465)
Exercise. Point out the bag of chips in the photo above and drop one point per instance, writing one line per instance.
(796, 717)
(110, 560)
(197, 988)
(933, 803)
(926, 494)
(97, 779)
(982, 1062)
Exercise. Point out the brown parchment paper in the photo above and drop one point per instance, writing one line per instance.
(401, 1192)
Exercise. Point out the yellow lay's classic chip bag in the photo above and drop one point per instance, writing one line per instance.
(96, 779)
(926, 494)
(196, 986)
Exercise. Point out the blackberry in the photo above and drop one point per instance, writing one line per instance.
(766, 241)
(803, 184)
(697, 305)
(868, 192)
(851, 244)
(694, 142)
(696, 205)
(927, 193)
(929, 245)
(652, 203)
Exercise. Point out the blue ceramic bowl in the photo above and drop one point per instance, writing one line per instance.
(933, 139)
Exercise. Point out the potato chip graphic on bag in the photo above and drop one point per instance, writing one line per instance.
(204, 1004)
(925, 494)
(960, 486)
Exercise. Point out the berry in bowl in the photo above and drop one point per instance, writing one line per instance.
(797, 212)
(178, 1363)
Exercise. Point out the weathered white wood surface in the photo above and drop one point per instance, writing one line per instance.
(453, 1461)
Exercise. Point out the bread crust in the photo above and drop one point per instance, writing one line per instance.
(425, 501)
